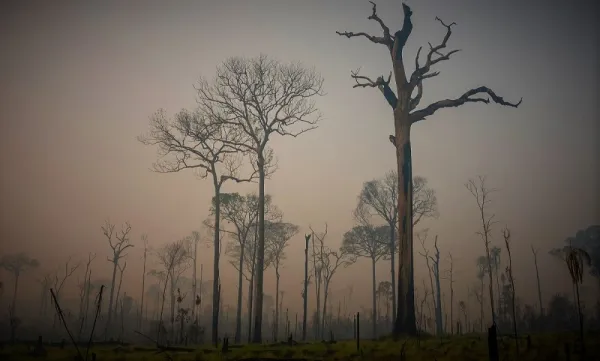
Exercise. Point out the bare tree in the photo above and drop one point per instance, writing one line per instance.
(511, 279)
(365, 240)
(282, 233)
(451, 279)
(17, 264)
(305, 288)
(84, 289)
(196, 140)
(260, 98)
(121, 271)
(422, 237)
(172, 258)
(379, 197)
(481, 193)
(59, 280)
(438, 299)
(118, 244)
(317, 268)
(405, 115)
(329, 262)
(495, 259)
(482, 269)
(537, 274)
(144, 238)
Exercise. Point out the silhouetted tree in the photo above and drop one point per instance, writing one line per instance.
(118, 244)
(199, 140)
(481, 193)
(379, 197)
(405, 115)
(366, 240)
(259, 98)
(17, 264)
(282, 233)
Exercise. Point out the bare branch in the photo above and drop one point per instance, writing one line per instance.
(421, 73)
(467, 97)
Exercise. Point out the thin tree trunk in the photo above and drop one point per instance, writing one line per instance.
(217, 254)
(374, 290)
(141, 321)
(14, 300)
(112, 292)
(276, 321)
(258, 312)
(305, 295)
(537, 274)
(238, 316)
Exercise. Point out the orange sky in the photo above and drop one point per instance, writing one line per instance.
(79, 80)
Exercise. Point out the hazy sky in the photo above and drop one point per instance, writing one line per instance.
(78, 81)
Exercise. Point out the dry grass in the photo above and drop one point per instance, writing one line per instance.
(464, 348)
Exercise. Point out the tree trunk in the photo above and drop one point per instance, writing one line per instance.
(405, 317)
(325, 297)
(112, 292)
(14, 300)
(195, 278)
(438, 307)
(251, 299)
(238, 316)
(257, 337)
(539, 289)
(374, 290)
(305, 295)
(217, 254)
(276, 321)
(141, 321)
(393, 266)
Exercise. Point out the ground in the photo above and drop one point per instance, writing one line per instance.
(464, 348)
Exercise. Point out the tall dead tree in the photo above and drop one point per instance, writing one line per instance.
(451, 280)
(422, 237)
(145, 257)
(537, 274)
(260, 98)
(197, 140)
(481, 193)
(118, 244)
(305, 288)
(511, 279)
(405, 113)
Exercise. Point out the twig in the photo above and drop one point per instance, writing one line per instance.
(62, 318)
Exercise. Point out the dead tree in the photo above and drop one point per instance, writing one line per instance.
(84, 289)
(260, 98)
(451, 279)
(317, 243)
(17, 264)
(282, 233)
(118, 244)
(438, 299)
(511, 279)
(121, 271)
(537, 274)
(329, 262)
(422, 237)
(405, 112)
(481, 193)
(199, 141)
(145, 257)
(59, 281)
(305, 289)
